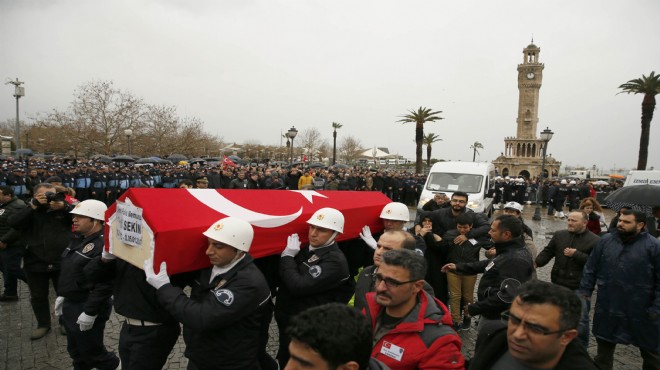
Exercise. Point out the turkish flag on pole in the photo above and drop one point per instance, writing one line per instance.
(228, 162)
(167, 224)
(305, 158)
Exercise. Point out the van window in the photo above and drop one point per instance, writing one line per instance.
(452, 182)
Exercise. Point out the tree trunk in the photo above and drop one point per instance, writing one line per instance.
(419, 140)
(648, 105)
(428, 155)
(334, 147)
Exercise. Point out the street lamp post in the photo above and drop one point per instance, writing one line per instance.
(18, 93)
(128, 133)
(546, 135)
(292, 134)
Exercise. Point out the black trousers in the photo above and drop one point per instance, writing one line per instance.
(283, 350)
(605, 356)
(86, 348)
(11, 269)
(147, 347)
(39, 282)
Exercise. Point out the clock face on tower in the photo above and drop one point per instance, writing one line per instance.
(530, 75)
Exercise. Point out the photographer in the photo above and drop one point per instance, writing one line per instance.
(45, 226)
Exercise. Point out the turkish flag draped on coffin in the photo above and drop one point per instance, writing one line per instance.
(172, 221)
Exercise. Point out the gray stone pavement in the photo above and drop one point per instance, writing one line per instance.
(17, 351)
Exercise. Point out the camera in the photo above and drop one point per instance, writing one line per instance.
(55, 197)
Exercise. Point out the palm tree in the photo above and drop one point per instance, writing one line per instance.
(650, 87)
(428, 141)
(477, 145)
(419, 117)
(335, 126)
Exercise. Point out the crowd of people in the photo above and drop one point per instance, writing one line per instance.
(395, 299)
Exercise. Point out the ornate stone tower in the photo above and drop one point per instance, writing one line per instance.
(523, 153)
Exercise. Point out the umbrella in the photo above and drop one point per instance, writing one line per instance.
(123, 158)
(103, 159)
(600, 182)
(177, 157)
(643, 195)
(340, 165)
(316, 165)
(148, 160)
(197, 160)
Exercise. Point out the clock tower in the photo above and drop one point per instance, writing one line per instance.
(530, 75)
(523, 154)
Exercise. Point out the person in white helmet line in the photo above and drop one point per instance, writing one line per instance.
(313, 275)
(223, 319)
(85, 306)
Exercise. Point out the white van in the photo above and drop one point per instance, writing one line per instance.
(642, 178)
(475, 179)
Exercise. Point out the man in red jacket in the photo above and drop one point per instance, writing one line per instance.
(412, 330)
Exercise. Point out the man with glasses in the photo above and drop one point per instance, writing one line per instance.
(540, 327)
(412, 330)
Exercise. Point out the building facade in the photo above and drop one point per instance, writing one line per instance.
(523, 154)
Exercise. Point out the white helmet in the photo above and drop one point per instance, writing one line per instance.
(564, 182)
(91, 208)
(232, 231)
(395, 211)
(572, 182)
(328, 218)
(514, 205)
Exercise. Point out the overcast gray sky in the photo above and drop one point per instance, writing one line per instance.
(250, 69)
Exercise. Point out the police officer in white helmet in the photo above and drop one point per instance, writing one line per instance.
(225, 319)
(84, 305)
(313, 275)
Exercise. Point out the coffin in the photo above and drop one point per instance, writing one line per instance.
(167, 224)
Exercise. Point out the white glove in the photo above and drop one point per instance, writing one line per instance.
(292, 246)
(107, 256)
(156, 280)
(366, 236)
(59, 302)
(85, 321)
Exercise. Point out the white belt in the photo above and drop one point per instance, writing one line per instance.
(135, 322)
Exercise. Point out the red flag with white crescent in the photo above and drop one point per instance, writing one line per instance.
(175, 219)
(228, 162)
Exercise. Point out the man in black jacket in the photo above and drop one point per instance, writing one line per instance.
(46, 229)
(225, 320)
(11, 250)
(571, 248)
(511, 266)
(540, 327)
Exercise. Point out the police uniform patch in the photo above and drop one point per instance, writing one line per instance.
(88, 248)
(315, 271)
(313, 258)
(224, 296)
(2, 211)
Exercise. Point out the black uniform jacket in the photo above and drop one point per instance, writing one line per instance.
(311, 280)
(512, 261)
(133, 296)
(74, 285)
(223, 321)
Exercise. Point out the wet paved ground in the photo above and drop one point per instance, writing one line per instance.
(17, 351)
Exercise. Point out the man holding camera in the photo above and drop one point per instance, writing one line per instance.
(45, 226)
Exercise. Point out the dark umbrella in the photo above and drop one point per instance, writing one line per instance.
(642, 195)
(197, 160)
(177, 157)
(123, 158)
(148, 160)
(316, 165)
(103, 159)
(341, 165)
